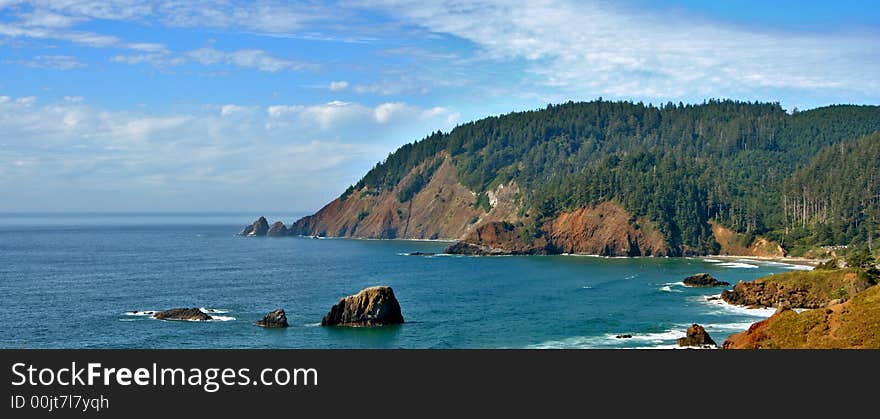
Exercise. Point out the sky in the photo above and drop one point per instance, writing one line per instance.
(189, 105)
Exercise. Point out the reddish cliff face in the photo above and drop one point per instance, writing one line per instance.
(442, 209)
(605, 230)
(446, 209)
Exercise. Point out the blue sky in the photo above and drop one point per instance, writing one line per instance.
(167, 105)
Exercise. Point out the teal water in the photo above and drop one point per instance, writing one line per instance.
(68, 281)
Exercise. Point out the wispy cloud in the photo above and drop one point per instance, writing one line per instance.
(599, 48)
(57, 62)
(132, 158)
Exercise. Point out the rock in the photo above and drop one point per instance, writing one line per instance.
(374, 306)
(277, 229)
(275, 318)
(258, 228)
(704, 280)
(182, 314)
(696, 337)
(626, 336)
(462, 248)
(835, 301)
(713, 298)
(421, 254)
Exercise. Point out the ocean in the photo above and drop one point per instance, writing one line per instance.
(71, 281)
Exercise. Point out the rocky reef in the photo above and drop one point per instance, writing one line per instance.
(190, 314)
(697, 337)
(274, 319)
(704, 280)
(374, 306)
(798, 289)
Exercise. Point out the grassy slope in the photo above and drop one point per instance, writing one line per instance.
(851, 325)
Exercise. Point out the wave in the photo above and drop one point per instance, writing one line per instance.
(653, 340)
(711, 260)
(667, 287)
(727, 308)
(737, 265)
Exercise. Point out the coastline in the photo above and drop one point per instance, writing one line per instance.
(788, 260)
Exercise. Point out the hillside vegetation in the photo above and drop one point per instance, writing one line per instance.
(749, 168)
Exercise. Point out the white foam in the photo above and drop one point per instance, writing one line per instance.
(213, 310)
(656, 340)
(799, 267)
(730, 308)
(221, 318)
(312, 324)
(586, 287)
(737, 265)
(210, 311)
(667, 287)
(712, 260)
(140, 313)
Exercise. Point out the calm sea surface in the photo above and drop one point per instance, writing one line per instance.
(68, 281)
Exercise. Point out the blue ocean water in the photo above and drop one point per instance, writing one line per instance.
(68, 281)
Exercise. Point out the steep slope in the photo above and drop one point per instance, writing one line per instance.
(441, 209)
(687, 179)
(854, 324)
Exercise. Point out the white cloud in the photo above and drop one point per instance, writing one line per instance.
(70, 156)
(336, 86)
(57, 62)
(386, 111)
(598, 48)
(228, 110)
(246, 58)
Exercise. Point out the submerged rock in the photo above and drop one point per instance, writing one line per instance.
(277, 229)
(697, 337)
(625, 336)
(275, 318)
(182, 314)
(704, 280)
(258, 228)
(374, 306)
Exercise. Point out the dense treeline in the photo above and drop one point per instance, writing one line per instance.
(679, 165)
(836, 198)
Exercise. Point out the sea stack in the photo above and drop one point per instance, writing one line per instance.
(274, 319)
(374, 306)
(258, 228)
(704, 280)
(697, 337)
(277, 229)
(191, 314)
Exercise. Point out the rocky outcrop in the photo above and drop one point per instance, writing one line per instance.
(499, 238)
(733, 243)
(799, 289)
(273, 319)
(854, 324)
(442, 209)
(604, 230)
(258, 228)
(190, 314)
(277, 229)
(704, 280)
(374, 306)
(697, 337)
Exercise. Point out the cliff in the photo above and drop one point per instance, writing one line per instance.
(798, 289)
(442, 209)
(854, 324)
(613, 179)
(606, 230)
